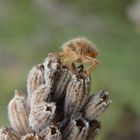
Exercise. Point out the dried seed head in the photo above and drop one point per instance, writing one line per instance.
(18, 113)
(57, 76)
(51, 133)
(96, 105)
(42, 94)
(35, 79)
(77, 129)
(77, 92)
(30, 136)
(41, 115)
(8, 134)
(52, 66)
(94, 129)
(61, 84)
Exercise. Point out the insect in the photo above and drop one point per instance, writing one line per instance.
(80, 50)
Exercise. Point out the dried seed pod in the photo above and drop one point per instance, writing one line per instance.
(18, 113)
(35, 79)
(51, 133)
(61, 84)
(52, 66)
(77, 91)
(77, 129)
(56, 76)
(94, 129)
(42, 94)
(8, 134)
(30, 136)
(41, 115)
(96, 105)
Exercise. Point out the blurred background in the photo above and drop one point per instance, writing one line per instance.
(29, 29)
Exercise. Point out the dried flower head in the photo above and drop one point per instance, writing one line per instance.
(52, 66)
(42, 115)
(42, 94)
(77, 91)
(35, 79)
(8, 134)
(57, 76)
(77, 129)
(18, 113)
(96, 105)
(51, 133)
(59, 105)
(61, 84)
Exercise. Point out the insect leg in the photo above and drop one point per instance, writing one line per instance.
(91, 61)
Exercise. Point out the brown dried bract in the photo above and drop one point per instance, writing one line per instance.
(77, 92)
(18, 113)
(51, 133)
(52, 67)
(96, 105)
(8, 134)
(42, 94)
(77, 129)
(35, 79)
(57, 76)
(42, 115)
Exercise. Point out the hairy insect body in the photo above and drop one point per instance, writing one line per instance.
(80, 50)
